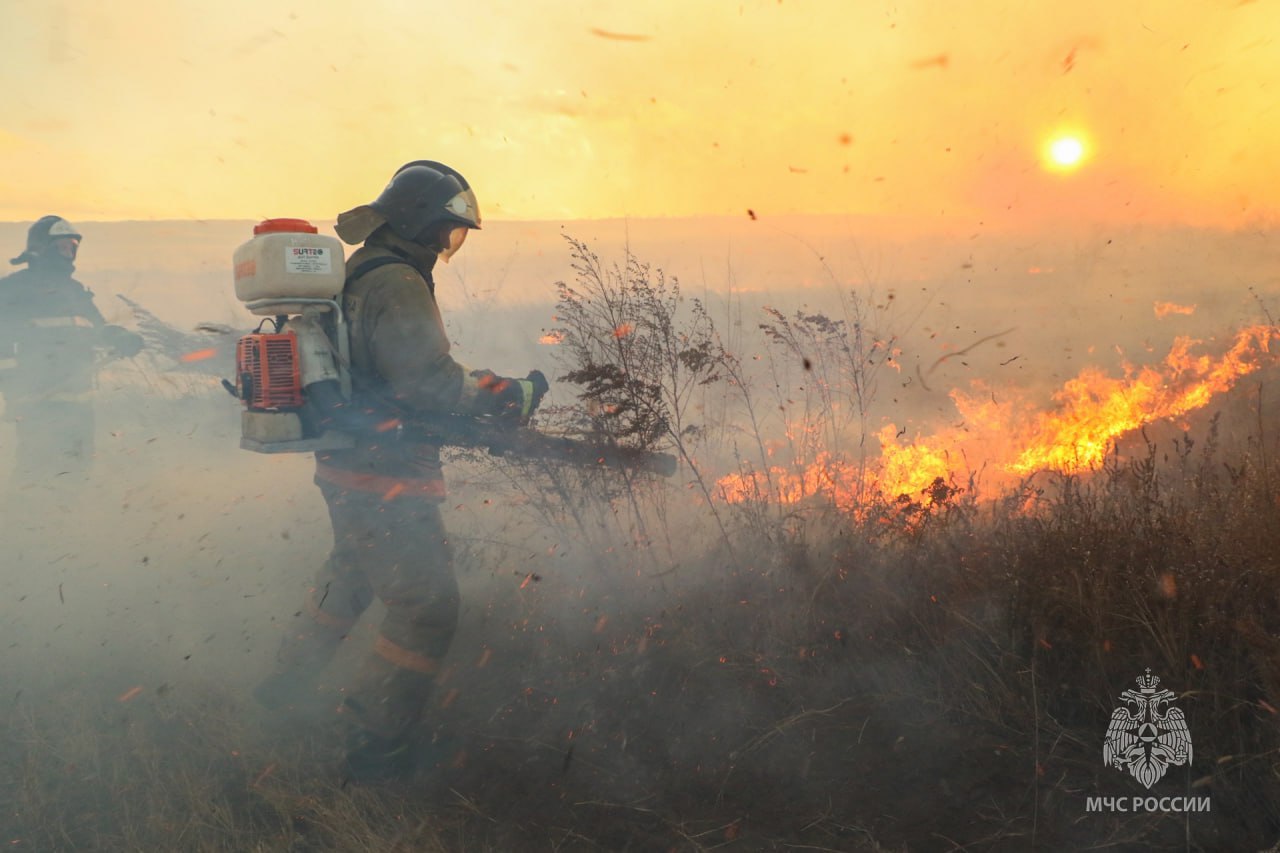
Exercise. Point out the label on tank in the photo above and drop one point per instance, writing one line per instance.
(305, 259)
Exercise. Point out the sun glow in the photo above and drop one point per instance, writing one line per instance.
(1065, 153)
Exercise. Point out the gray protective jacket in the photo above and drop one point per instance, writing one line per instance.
(50, 332)
(400, 366)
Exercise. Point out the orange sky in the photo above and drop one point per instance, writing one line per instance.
(152, 109)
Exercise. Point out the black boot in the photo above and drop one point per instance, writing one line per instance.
(373, 758)
(275, 691)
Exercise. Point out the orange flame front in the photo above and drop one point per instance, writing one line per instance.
(1005, 441)
(1094, 410)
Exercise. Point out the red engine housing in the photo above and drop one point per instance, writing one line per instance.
(268, 376)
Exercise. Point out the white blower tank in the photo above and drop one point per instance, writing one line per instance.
(287, 259)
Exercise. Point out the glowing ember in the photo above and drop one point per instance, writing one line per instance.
(198, 355)
(1164, 309)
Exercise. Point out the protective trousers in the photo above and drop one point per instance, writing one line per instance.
(396, 549)
(55, 439)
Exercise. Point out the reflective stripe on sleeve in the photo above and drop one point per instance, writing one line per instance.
(403, 658)
(526, 396)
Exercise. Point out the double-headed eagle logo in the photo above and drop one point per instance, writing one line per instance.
(1146, 733)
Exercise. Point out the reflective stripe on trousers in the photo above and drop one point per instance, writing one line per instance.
(328, 620)
(382, 485)
(403, 658)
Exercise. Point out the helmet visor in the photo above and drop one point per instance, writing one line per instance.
(63, 228)
(464, 207)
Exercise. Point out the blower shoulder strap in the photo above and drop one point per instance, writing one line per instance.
(372, 264)
(364, 269)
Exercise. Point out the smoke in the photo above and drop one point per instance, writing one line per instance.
(597, 665)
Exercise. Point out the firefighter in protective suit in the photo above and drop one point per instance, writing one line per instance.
(384, 495)
(50, 336)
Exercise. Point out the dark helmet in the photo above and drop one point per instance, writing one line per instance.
(421, 194)
(45, 230)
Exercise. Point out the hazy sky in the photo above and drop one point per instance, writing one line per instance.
(560, 109)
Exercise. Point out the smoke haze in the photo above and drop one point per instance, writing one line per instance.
(177, 566)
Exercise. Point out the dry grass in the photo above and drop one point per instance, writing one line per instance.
(939, 679)
(929, 674)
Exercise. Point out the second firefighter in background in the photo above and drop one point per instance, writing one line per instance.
(52, 339)
(384, 495)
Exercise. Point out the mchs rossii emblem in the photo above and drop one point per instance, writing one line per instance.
(1147, 734)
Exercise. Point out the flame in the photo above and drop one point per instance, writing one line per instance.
(833, 478)
(1007, 439)
(1094, 410)
(909, 470)
(552, 338)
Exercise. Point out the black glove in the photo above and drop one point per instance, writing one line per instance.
(500, 396)
(512, 400)
(124, 343)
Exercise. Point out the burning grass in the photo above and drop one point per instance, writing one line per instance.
(936, 676)
(1005, 438)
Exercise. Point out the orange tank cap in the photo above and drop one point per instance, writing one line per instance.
(278, 226)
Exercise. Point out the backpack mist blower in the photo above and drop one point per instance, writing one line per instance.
(293, 378)
(292, 276)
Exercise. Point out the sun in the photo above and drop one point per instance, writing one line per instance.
(1065, 152)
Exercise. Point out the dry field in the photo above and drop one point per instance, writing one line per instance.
(823, 661)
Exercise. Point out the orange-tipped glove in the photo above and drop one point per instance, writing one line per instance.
(510, 399)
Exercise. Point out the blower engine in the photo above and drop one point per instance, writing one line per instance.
(292, 378)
